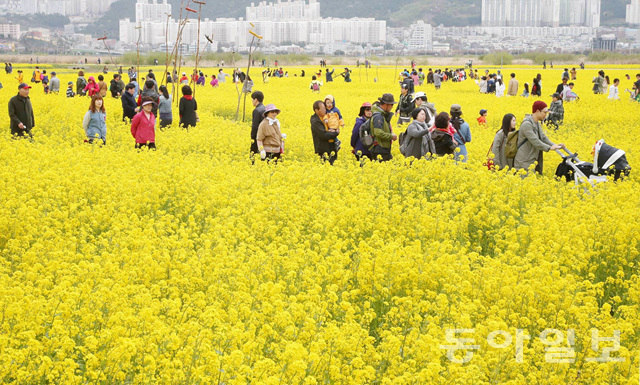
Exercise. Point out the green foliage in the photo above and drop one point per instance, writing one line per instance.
(131, 58)
(540, 57)
(612, 57)
(497, 58)
(39, 19)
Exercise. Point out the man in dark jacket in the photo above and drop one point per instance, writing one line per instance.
(258, 114)
(21, 112)
(324, 141)
(405, 106)
(129, 103)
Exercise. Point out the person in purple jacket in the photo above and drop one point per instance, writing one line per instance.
(358, 148)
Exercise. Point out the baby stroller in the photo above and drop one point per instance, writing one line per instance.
(607, 161)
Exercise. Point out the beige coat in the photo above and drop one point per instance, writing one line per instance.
(531, 142)
(270, 136)
(513, 87)
(498, 149)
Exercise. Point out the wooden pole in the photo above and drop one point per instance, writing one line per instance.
(166, 46)
(200, 4)
(139, 28)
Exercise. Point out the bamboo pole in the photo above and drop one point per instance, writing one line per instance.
(166, 46)
(200, 4)
(254, 36)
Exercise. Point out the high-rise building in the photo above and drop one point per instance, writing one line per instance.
(540, 13)
(63, 7)
(296, 10)
(633, 12)
(283, 22)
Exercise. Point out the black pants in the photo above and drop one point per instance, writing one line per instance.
(329, 157)
(275, 156)
(150, 145)
(165, 122)
(21, 133)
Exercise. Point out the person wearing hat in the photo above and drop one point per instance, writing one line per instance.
(381, 128)
(70, 92)
(463, 132)
(269, 137)
(184, 80)
(532, 140)
(420, 101)
(54, 85)
(405, 105)
(324, 140)
(21, 112)
(129, 104)
(358, 148)
(143, 125)
(556, 111)
(188, 108)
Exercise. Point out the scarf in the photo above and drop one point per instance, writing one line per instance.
(273, 121)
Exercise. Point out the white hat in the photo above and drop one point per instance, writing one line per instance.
(419, 95)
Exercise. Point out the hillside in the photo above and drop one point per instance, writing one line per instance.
(397, 13)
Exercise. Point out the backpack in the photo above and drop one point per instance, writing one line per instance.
(410, 84)
(365, 133)
(402, 142)
(315, 87)
(511, 147)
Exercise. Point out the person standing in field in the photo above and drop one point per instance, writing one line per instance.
(92, 87)
(513, 86)
(102, 85)
(54, 86)
(143, 125)
(21, 112)
(188, 108)
(269, 136)
(359, 150)
(463, 131)
(164, 107)
(532, 141)
(418, 142)
(498, 147)
(129, 104)
(324, 141)
(256, 118)
(381, 127)
(613, 90)
(95, 121)
(598, 83)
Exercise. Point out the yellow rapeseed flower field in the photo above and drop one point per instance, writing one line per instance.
(190, 265)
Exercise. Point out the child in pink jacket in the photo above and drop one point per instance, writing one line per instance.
(143, 125)
(92, 87)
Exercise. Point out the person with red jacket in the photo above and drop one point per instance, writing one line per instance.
(92, 87)
(143, 125)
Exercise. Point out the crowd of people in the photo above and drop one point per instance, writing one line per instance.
(428, 133)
